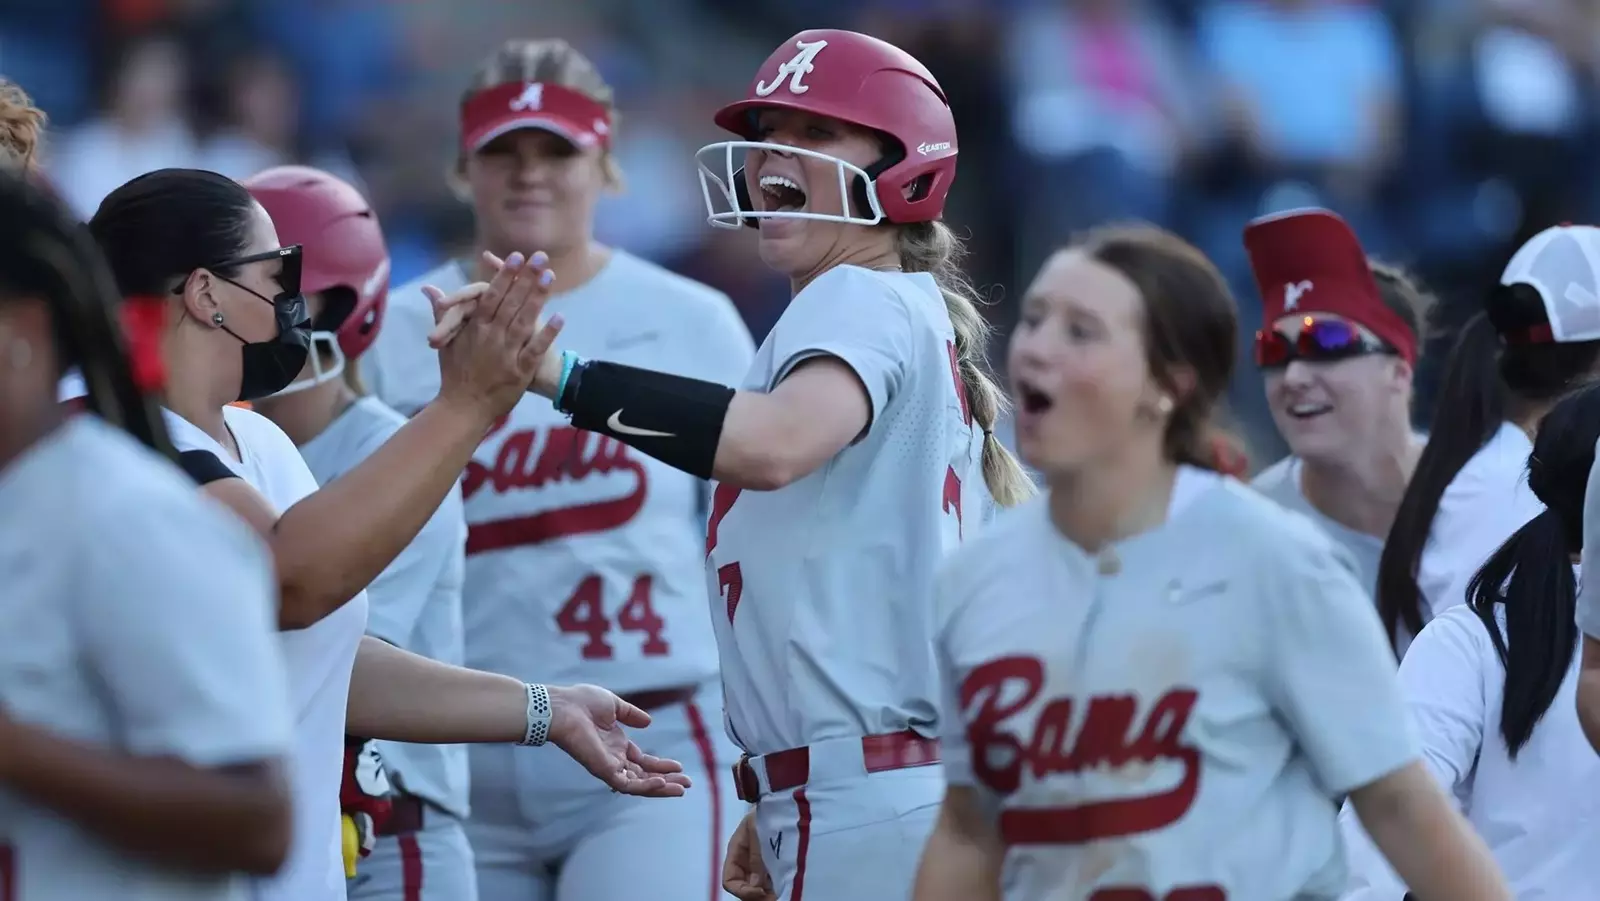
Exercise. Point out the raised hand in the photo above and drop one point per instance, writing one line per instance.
(495, 352)
(587, 722)
(451, 312)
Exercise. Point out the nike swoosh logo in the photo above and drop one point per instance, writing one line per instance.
(630, 340)
(615, 425)
(1180, 596)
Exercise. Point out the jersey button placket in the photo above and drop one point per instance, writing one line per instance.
(1107, 565)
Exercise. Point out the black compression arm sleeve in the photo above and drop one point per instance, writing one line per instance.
(677, 420)
(204, 467)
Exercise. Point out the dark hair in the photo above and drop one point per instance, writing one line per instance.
(45, 254)
(1485, 381)
(165, 224)
(1190, 323)
(1404, 294)
(1531, 574)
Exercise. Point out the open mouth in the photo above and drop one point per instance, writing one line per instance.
(782, 193)
(1309, 410)
(1031, 400)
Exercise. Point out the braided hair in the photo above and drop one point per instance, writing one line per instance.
(44, 253)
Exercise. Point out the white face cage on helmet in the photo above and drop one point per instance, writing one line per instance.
(727, 183)
(320, 342)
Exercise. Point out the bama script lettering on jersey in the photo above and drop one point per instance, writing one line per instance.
(1117, 731)
(1172, 727)
(540, 457)
(582, 555)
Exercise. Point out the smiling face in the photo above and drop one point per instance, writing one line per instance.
(778, 180)
(1328, 411)
(1078, 367)
(535, 190)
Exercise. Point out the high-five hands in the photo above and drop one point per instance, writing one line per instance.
(492, 339)
(452, 312)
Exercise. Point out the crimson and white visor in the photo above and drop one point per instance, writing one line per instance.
(504, 108)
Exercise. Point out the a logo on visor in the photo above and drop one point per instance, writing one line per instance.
(1292, 293)
(798, 67)
(531, 98)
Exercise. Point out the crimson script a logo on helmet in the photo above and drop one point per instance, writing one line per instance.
(798, 67)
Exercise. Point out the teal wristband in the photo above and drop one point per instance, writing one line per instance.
(569, 361)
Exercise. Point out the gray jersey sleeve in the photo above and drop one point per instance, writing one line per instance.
(723, 346)
(1589, 585)
(1332, 675)
(398, 595)
(178, 617)
(849, 314)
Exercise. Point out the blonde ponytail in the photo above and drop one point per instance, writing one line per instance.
(933, 248)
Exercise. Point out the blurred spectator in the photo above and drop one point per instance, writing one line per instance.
(1103, 116)
(961, 44)
(261, 119)
(260, 126)
(47, 46)
(351, 50)
(1104, 112)
(660, 214)
(1308, 85)
(1534, 68)
(144, 126)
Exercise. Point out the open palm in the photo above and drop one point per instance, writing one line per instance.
(589, 723)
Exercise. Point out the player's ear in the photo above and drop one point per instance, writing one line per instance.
(611, 174)
(1402, 375)
(1180, 381)
(455, 178)
(198, 298)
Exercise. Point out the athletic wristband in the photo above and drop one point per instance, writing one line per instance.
(539, 716)
(674, 419)
(569, 360)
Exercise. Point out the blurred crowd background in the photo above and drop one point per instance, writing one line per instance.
(1446, 131)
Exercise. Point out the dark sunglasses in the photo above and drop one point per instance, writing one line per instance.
(1319, 341)
(288, 278)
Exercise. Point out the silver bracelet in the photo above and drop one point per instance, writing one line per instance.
(539, 716)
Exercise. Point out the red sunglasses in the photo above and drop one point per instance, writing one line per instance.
(1319, 341)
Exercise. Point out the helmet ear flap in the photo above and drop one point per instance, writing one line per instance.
(861, 189)
(741, 194)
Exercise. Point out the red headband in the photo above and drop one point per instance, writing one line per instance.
(1309, 261)
(492, 112)
(143, 321)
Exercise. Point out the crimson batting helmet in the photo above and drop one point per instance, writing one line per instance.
(854, 78)
(343, 253)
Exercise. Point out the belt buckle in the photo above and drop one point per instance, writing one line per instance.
(746, 785)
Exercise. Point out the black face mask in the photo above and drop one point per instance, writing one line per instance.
(269, 366)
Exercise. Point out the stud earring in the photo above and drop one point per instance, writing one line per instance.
(216, 318)
(1164, 405)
